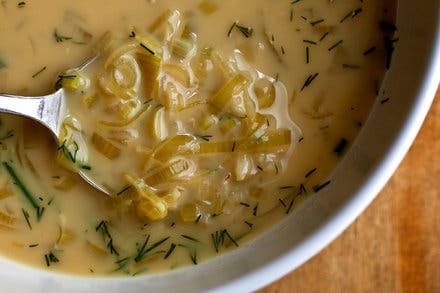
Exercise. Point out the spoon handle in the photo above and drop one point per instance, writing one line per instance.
(48, 110)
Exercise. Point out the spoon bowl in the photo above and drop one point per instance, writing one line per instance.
(49, 111)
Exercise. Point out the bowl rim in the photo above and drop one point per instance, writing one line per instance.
(349, 212)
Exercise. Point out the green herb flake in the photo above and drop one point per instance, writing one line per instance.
(170, 250)
(144, 250)
(17, 181)
(60, 38)
(309, 80)
(250, 225)
(369, 51)
(203, 137)
(148, 49)
(26, 216)
(340, 147)
(322, 186)
(39, 72)
(335, 45)
(103, 227)
(50, 258)
(310, 173)
(245, 30)
(313, 23)
(189, 238)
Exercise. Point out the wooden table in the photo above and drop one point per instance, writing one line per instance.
(394, 246)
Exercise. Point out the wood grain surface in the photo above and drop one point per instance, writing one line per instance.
(394, 246)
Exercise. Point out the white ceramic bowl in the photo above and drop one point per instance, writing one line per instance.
(382, 144)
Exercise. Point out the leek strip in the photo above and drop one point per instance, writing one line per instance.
(148, 204)
(161, 20)
(178, 73)
(181, 48)
(277, 139)
(150, 66)
(105, 147)
(177, 145)
(167, 173)
(216, 147)
(126, 122)
(157, 124)
(233, 97)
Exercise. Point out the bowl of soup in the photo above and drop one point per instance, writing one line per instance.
(233, 141)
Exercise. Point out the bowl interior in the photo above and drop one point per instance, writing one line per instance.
(394, 121)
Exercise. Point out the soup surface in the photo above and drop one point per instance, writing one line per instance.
(207, 121)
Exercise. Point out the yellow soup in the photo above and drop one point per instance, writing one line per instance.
(205, 121)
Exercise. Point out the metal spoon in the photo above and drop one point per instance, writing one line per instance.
(49, 111)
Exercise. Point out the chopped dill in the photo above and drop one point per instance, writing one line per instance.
(341, 146)
(23, 189)
(307, 55)
(245, 30)
(309, 42)
(170, 251)
(148, 49)
(351, 14)
(282, 202)
(322, 186)
(103, 227)
(123, 190)
(218, 238)
(310, 173)
(60, 38)
(387, 26)
(143, 251)
(26, 216)
(384, 101)
(2, 63)
(59, 82)
(189, 238)
(39, 72)
(335, 45)
(350, 66)
(255, 210)
(85, 167)
(7, 135)
(203, 137)
(309, 80)
(313, 23)
(50, 258)
(323, 36)
(369, 51)
(250, 225)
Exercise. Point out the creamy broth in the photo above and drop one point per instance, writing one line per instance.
(324, 61)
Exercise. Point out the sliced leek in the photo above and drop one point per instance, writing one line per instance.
(157, 124)
(105, 147)
(148, 204)
(231, 97)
